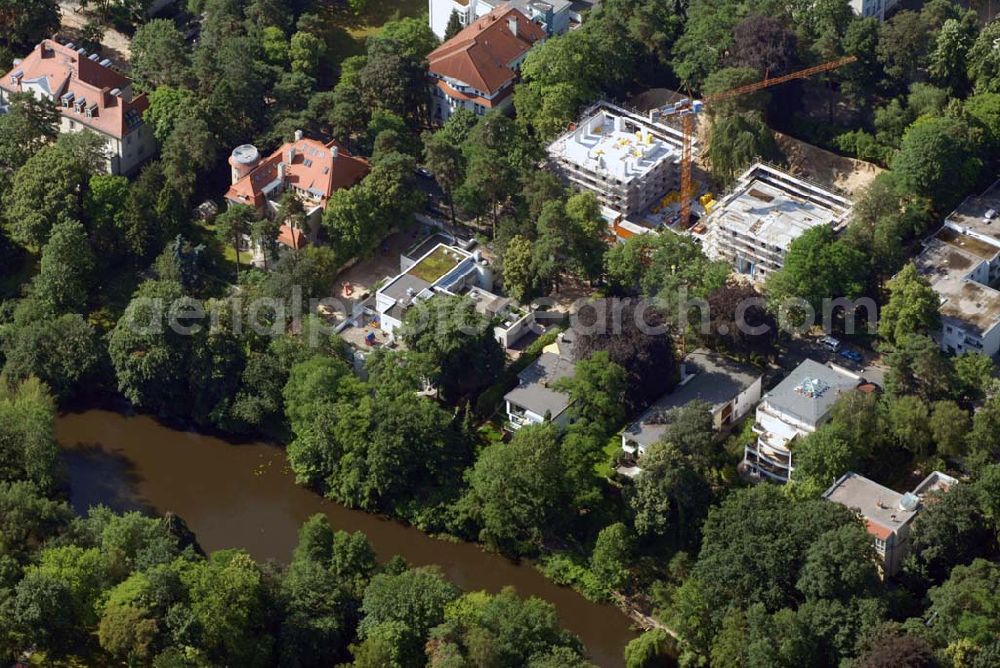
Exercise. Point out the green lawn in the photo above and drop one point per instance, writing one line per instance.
(435, 265)
(604, 468)
(349, 32)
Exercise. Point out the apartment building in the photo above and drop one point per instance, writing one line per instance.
(625, 159)
(477, 68)
(796, 407)
(553, 16)
(729, 388)
(753, 226)
(962, 263)
(888, 515)
(311, 169)
(90, 95)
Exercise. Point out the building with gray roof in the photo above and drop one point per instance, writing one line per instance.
(962, 263)
(887, 513)
(796, 407)
(534, 400)
(728, 387)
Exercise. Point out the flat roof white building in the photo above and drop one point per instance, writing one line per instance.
(962, 263)
(753, 226)
(625, 159)
(887, 513)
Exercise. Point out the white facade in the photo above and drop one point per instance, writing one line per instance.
(962, 263)
(535, 400)
(874, 8)
(555, 16)
(728, 388)
(797, 407)
(124, 155)
(753, 226)
(89, 94)
(625, 159)
(444, 270)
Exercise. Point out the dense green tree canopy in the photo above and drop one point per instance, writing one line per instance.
(457, 340)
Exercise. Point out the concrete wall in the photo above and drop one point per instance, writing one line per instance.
(508, 337)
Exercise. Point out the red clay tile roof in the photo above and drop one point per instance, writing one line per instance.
(877, 530)
(313, 168)
(292, 237)
(59, 70)
(489, 103)
(481, 54)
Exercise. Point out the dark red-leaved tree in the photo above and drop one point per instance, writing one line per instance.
(636, 337)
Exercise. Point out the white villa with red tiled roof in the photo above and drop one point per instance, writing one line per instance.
(477, 68)
(90, 95)
(310, 168)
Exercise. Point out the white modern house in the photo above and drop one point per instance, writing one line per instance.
(625, 159)
(729, 388)
(90, 95)
(962, 263)
(888, 514)
(796, 407)
(442, 270)
(765, 211)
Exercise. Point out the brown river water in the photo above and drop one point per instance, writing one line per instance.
(244, 496)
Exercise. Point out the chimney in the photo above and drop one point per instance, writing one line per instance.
(334, 151)
(298, 135)
(281, 171)
(512, 25)
(290, 155)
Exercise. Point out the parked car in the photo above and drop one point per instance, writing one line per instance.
(424, 172)
(830, 343)
(852, 355)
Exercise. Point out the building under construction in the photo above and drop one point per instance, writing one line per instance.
(625, 159)
(753, 226)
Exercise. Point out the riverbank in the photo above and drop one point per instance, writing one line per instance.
(244, 496)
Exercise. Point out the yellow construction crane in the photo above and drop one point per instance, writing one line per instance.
(687, 109)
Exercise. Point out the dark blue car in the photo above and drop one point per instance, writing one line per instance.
(852, 355)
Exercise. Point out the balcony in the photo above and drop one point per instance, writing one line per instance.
(775, 459)
(518, 419)
(762, 466)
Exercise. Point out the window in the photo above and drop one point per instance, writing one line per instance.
(880, 546)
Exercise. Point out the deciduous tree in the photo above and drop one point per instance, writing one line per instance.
(459, 342)
(912, 307)
(160, 56)
(516, 490)
(64, 279)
